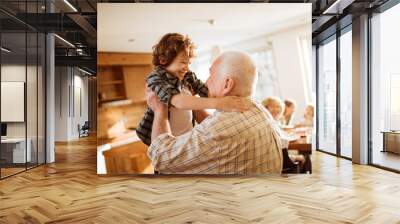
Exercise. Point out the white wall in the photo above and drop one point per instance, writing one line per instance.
(62, 80)
(70, 83)
(294, 78)
(17, 73)
(33, 127)
(14, 73)
(80, 94)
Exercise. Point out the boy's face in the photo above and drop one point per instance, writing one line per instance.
(180, 65)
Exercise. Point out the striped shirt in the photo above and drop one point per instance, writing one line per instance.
(224, 143)
(165, 86)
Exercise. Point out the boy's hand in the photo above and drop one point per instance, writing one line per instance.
(233, 103)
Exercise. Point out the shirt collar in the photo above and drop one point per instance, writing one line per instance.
(250, 98)
(171, 78)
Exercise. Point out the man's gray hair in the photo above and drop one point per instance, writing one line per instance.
(239, 66)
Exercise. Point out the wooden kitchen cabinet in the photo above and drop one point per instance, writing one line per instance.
(121, 76)
(121, 90)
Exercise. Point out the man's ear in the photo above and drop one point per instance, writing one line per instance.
(228, 86)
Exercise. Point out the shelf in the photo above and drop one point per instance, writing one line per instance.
(117, 103)
(112, 82)
(122, 104)
(108, 99)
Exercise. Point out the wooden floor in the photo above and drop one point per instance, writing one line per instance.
(69, 191)
(387, 159)
(10, 171)
(5, 172)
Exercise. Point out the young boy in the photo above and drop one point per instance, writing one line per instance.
(176, 85)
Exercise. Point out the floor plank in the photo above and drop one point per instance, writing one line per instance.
(386, 159)
(70, 191)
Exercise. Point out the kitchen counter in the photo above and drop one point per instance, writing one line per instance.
(126, 154)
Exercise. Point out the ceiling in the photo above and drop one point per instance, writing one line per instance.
(137, 27)
(23, 48)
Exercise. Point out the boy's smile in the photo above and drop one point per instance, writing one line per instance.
(180, 65)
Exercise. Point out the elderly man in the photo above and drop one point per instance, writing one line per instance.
(224, 142)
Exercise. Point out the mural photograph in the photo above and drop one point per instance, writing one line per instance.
(204, 89)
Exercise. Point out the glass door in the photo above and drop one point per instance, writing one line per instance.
(385, 89)
(327, 96)
(346, 93)
(22, 88)
(14, 153)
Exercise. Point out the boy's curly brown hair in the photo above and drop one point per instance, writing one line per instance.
(170, 45)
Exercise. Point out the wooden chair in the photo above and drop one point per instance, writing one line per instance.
(84, 129)
(288, 165)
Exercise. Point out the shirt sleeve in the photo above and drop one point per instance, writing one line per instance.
(188, 153)
(197, 85)
(162, 88)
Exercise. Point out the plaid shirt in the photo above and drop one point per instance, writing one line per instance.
(224, 143)
(165, 86)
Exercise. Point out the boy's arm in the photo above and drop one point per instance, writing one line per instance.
(227, 103)
(188, 102)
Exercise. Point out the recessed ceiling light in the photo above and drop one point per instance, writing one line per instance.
(131, 40)
(65, 41)
(5, 50)
(337, 7)
(84, 71)
(70, 5)
(211, 22)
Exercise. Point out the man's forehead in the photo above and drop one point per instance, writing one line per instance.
(216, 62)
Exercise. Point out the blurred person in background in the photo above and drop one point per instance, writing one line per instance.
(276, 107)
(308, 117)
(287, 117)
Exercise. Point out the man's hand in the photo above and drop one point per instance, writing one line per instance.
(154, 102)
(160, 122)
